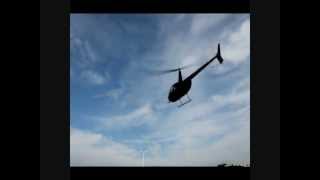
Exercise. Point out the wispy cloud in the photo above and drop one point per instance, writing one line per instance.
(83, 55)
(214, 128)
(114, 93)
(238, 43)
(135, 118)
(201, 23)
(94, 78)
(184, 138)
(92, 149)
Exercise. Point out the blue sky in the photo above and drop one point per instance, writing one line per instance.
(119, 109)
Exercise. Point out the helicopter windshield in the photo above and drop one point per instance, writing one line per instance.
(172, 89)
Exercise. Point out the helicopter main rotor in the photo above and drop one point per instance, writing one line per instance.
(174, 70)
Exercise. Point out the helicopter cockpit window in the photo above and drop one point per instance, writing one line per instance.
(172, 89)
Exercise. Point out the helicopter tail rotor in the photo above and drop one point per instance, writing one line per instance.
(218, 56)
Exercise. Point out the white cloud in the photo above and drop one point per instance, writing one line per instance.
(87, 56)
(204, 132)
(190, 47)
(234, 148)
(140, 116)
(210, 109)
(90, 54)
(94, 78)
(92, 149)
(238, 44)
(203, 22)
(233, 98)
(114, 93)
(197, 135)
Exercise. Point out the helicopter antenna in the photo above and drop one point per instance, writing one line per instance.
(180, 76)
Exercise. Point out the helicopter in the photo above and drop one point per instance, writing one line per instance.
(182, 86)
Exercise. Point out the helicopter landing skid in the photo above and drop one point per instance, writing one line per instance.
(186, 102)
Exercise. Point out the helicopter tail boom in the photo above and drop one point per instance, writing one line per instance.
(218, 56)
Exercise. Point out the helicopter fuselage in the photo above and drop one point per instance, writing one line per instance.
(182, 87)
(179, 89)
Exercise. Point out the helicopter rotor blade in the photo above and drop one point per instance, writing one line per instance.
(160, 72)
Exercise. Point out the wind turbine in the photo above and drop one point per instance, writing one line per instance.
(143, 158)
(144, 149)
